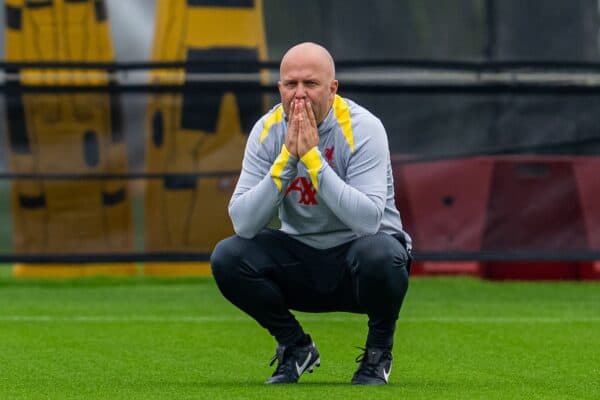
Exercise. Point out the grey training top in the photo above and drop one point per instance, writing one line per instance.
(334, 194)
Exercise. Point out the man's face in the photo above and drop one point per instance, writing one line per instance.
(307, 76)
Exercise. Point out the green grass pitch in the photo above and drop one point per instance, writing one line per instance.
(457, 338)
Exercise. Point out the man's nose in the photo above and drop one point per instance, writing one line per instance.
(300, 92)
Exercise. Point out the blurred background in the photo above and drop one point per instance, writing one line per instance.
(124, 124)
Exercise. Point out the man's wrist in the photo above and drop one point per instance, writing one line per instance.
(313, 162)
(287, 153)
(312, 159)
(286, 161)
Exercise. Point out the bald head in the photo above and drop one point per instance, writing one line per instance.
(310, 53)
(307, 72)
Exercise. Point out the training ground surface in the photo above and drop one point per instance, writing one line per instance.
(134, 338)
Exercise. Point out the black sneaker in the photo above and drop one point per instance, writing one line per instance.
(375, 367)
(292, 361)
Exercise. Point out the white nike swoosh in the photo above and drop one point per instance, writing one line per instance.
(300, 368)
(386, 374)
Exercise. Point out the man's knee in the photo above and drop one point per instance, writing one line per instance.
(378, 257)
(226, 258)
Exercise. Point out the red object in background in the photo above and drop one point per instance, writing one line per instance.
(534, 205)
(443, 206)
(587, 175)
(511, 203)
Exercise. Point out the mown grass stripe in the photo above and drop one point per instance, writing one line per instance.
(210, 319)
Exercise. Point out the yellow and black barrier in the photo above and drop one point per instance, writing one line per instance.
(61, 133)
(199, 131)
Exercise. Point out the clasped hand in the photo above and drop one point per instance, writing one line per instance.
(302, 134)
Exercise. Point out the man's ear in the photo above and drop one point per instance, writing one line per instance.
(333, 88)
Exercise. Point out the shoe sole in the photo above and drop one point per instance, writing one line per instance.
(311, 368)
(308, 369)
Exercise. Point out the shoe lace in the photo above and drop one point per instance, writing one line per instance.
(282, 365)
(365, 367)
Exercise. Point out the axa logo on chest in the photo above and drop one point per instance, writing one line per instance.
(308, 194)
(303, 185)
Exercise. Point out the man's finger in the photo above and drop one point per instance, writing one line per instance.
(296, 114)
(292, 110)
(299, 106)
(311, 121)
(311, 114)
(299, 112)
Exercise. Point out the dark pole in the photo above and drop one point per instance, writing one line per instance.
(490, 21)
(490, 54)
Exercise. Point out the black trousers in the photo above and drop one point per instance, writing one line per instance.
(272, 273)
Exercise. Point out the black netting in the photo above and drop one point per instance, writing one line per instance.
(490, 108)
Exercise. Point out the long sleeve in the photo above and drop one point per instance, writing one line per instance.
(262, 184)
(359, 201)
